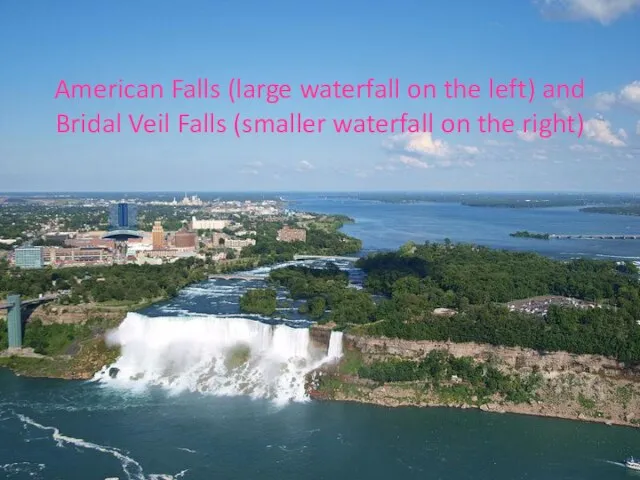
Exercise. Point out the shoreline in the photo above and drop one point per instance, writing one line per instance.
(568, 373)
(534, 410)
(504, 411)
(352, 389)
(588, 388)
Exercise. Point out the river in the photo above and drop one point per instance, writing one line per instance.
(188, 414)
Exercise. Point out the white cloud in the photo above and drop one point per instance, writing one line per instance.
(470, 150)
(638, 128)
(410, 161)
(384, 167)
(622, 133)
(304, 166)
(421, 144)
(421, 150)
(583, 148)
(424, 145)
(599, 130)
(603, 11)
(563, 107)
(631, 93)
(628, 95)
(540, 155)
(249, 171)
(526, 136)
(604, 100)
(495, 143)
(256, 164)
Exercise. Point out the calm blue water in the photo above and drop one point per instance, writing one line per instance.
(384, 226)
(53, 429)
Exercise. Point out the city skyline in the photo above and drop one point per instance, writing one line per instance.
(549, 40)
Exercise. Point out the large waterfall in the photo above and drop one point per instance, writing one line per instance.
(217, 355)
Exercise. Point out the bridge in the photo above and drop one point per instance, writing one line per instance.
(325, 257)
(33, 301)
(604, 236)
(14, 317)
(237, 276)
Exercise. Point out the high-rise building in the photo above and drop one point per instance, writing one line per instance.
(29, 257)
(123, 216)
(123, 221)
(157, 235)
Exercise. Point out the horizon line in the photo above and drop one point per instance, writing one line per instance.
(195, 192)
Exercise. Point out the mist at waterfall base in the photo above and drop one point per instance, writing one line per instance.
(203, 391)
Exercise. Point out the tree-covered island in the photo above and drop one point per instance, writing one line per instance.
(527, 234)
(406, 291)
(423, 300)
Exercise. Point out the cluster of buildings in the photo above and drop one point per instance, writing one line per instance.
(123, 243)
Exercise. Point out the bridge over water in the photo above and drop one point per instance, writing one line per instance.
(237, 276)
(325, 257)
(14, 306)
(602, 236)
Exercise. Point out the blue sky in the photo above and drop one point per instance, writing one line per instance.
(551, 41)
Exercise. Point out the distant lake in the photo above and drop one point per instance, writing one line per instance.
(385, 226)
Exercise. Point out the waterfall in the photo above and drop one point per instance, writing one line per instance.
(214, 355)
(335, 345)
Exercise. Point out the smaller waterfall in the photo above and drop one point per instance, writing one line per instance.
(335, 346)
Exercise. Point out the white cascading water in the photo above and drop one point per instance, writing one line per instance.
(335, 346)
(217, 355)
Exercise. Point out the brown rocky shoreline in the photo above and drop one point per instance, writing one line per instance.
(576, 387)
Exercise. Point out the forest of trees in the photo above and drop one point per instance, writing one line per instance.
(633, 210)
(527, 234)
(326, 289)
(403, 288)
(131, 283)
(320, 241)
(56, 338)
(477, 282)
(259, 300)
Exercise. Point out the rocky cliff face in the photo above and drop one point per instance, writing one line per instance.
(320, 335)
(520, 359)
(50, 313)
(583, 387)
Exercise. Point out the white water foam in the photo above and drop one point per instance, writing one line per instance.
(17, 469)
(215, 355)
(132, 469)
